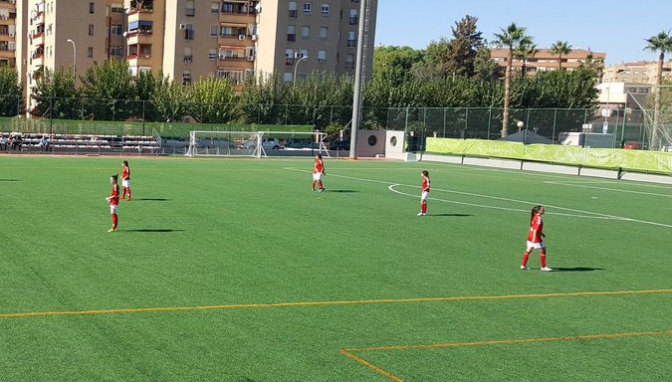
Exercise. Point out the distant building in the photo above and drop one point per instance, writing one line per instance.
(185, 40)
(545, 61)
(642, 72)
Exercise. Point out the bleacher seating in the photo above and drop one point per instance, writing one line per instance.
(87, 144)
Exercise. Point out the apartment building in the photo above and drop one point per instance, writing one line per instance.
(641, 72)
(186, 40)
(7, 32)
(544, 60)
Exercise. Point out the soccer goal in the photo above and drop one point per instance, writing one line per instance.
(256, 144)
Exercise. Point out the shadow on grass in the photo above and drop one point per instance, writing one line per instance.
(577, 269)
(341, 191)
(452, 215)
(150, 200)
(10, 180)
(148, 230)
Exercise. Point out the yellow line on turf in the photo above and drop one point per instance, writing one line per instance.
(334, 303)
(348, 352)
(369, 365)
(512, 342)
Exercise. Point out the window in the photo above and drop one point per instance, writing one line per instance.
(186, 77)
(324, 33)
(292, 9)
(307, 8)
(289, 56)
(214, 29)
(89, 52)
(212, 55)
(189, 32)
(287, 77)
(92, 8)
(350, 62)
(190, 9)
(305, 32)
(188, 57)
(291, 32)
(236, 77)
(321, 55)
(90, 29)
(214, 8)
(117, 30)
(352, 39)
(353, 17)
(116, 51)
(116, 8)
(325, 9)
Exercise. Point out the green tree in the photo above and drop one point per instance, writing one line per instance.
(56, 96)
(510, 37)
(320, 100)
(464, 46)
(170, 100)
(264, 99)
(661, 43)
(10, 88)
(525, 50)
(561, 48)
(213, 101)
(485, 68)
(109, 89)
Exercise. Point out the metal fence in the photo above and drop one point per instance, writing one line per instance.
(134, 117)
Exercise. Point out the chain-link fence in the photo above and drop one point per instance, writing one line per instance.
(627, 128)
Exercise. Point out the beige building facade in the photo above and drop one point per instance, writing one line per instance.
(186, 40)
(642, 72)
(544, 60)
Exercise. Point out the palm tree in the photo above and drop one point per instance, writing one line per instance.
(561, 48)
(526, 49)
(662, 42)
(510, 37)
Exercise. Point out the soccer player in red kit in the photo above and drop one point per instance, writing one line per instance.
(535, 239)
(318, 171)
(125, 181)
(425, 193)
(113, 200)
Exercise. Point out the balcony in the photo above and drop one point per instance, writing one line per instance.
(139, 60)
(139, 36)
(147, 6)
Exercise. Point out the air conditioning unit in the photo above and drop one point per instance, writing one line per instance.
(12, 1)
(242, 37)
(250, 58)
(11, 34)
(254, 37)
(183, 26)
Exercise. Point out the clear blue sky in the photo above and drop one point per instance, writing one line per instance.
(610, 27)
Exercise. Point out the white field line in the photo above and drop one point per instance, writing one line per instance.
(582, 213)
(609, 189)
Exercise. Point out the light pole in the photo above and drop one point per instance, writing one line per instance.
(74, 58)
(296, 66)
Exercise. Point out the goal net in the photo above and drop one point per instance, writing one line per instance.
(656, 119)
(256, 144)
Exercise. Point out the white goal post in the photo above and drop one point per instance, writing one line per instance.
(256, 144)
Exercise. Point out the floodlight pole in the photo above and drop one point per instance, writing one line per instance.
(356, 99)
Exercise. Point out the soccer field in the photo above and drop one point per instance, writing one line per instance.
(233, 270)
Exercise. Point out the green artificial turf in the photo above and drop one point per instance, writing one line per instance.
(233, 270)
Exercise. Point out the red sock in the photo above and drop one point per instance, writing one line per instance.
(114, 221)
(423, 208)
(526, 256)
(129, 193)
(319, 184)
(542, 259)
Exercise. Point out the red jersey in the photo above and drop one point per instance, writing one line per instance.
(536, 230)
(319, 167)
(125, 173)
(425, 184)
(114, 196)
